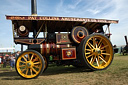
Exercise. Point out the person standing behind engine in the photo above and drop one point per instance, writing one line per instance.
(4, 62)
(12, 61)
(17, 54)
(0, 61)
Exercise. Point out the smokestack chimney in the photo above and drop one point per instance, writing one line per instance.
(33, 8)
(126, 40)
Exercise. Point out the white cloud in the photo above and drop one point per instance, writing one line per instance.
(74, 4)
(94, 11)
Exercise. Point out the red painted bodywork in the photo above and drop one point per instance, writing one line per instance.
(65, 56)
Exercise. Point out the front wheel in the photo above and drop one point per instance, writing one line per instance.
(29, 64)
(96, 52)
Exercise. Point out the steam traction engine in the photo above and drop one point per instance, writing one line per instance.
(80, 42)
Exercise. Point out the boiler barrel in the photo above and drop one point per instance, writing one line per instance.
(48, 48)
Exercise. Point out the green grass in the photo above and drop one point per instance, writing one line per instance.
(116, 74)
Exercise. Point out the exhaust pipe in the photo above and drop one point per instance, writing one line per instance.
(33, 8)
(126, 40)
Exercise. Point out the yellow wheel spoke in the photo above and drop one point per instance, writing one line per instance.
(104, 46)
(35, 59)
(96, 46)
(105, 53)
(36, 66)
(91, 59)
(27, 71)
(89, 56)
(88, 53)
(91, 45)
(102, 50)
(24, 58)
(99, 43)
(94, 59)
(97, 62)
(31, 71)
(34, 70)
(87, 49)
(28, 57)
(23, 70)
(37, 63)
(94, 42)
(102, 59)
(22, 61)
(32, 57)
(22, 65)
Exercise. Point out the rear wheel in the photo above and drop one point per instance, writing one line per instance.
(29, 64)
(96, 52)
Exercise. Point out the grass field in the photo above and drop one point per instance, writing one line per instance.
(116, 74)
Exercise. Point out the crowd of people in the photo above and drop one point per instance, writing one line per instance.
(9, 60)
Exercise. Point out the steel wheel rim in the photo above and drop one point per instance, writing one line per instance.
(98, 52)
(45, 62)
(29, 64)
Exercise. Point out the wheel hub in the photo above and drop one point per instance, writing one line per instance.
(29, 64)
(97, 51)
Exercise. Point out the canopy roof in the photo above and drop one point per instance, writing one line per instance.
(58, 24)
(51, 18)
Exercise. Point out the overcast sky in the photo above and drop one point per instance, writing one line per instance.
(101, 9)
